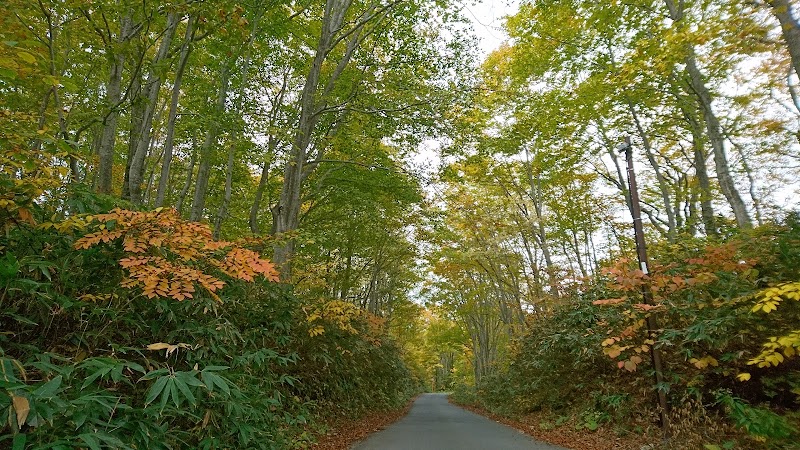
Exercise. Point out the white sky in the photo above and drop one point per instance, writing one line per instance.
(487, 22)
(487, 19)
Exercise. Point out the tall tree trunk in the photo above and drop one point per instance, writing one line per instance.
(713, 128)
(137, 112)
(705, 195)
(226, 199)
(313, 102)
(259, 194)
(52, 27)
(750, 178)
(717, 140)
(204, 170)
(108, 134)
(255, 228)
(540, 234)
(663, 185)
(661, 181)
(703, 181)
(186, 49)
(286, 214)
(790, 28)
(148, 191)
(150, 93)
(272, 144)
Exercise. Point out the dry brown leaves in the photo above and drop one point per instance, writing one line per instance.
(345, 432)
(567, 436)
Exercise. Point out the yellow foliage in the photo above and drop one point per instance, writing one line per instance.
(744, 376)
(337, 313)
(704, 362)
(98, 297)
(770, 298)
(777, 349)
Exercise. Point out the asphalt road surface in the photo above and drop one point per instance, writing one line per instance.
(435, 424)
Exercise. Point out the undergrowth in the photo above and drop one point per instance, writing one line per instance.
(731, 380)
(89, 360)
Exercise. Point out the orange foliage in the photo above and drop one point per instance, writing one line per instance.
(169, 257)
(628, 341)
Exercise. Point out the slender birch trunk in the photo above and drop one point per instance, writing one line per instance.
(186, 49)
(150, 93)
(108, 135)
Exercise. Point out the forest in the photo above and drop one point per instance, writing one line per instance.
(236, 223)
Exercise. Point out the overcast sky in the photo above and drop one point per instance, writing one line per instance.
(487, 19)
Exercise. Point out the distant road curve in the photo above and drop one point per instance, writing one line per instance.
(434, 424)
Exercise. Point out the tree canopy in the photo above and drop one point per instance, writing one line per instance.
(218, 232)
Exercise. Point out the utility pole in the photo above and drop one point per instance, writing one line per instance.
(641, 252)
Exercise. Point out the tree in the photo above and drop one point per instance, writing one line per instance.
(790, 28)
(341, 69)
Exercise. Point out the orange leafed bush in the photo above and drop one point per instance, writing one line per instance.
(169, 257)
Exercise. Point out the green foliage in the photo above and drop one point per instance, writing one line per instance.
(760, 423)
(86, 362)
(465, 394)
(706, 292)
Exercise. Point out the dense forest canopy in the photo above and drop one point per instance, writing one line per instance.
(217, 232)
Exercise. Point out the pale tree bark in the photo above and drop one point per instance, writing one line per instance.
(186, 49)
(105, 150)
(222, 213)
(506, 287)
(540, 234)
(661, 181)
(52, 27)
(717, 140)
(533, 281)
(313, 103)
(226, 196)
(713, 127)
(482, 326)
(663, 185)
(187, 183)
(699, 158)
(136, 114)
(148, 191)
(750, 178)
(790, 28)
(701, 172)
(204, 169)
(255, 228)
(533, 223)
(286, 214)
(525, 227)
(272, 144)
(150, 91)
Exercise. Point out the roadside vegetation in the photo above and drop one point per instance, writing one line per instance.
(731, 374)
(534, 255)
(217, 230)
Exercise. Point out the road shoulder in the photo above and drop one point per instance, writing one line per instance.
(345, 432)
(566, 436)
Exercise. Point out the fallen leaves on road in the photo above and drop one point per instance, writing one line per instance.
(345, 432)
(567, 436)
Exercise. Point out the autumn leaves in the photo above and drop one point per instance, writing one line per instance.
(166, 256)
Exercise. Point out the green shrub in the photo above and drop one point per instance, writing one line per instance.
(87, 363)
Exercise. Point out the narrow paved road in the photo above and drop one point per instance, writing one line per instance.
(435, 424)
